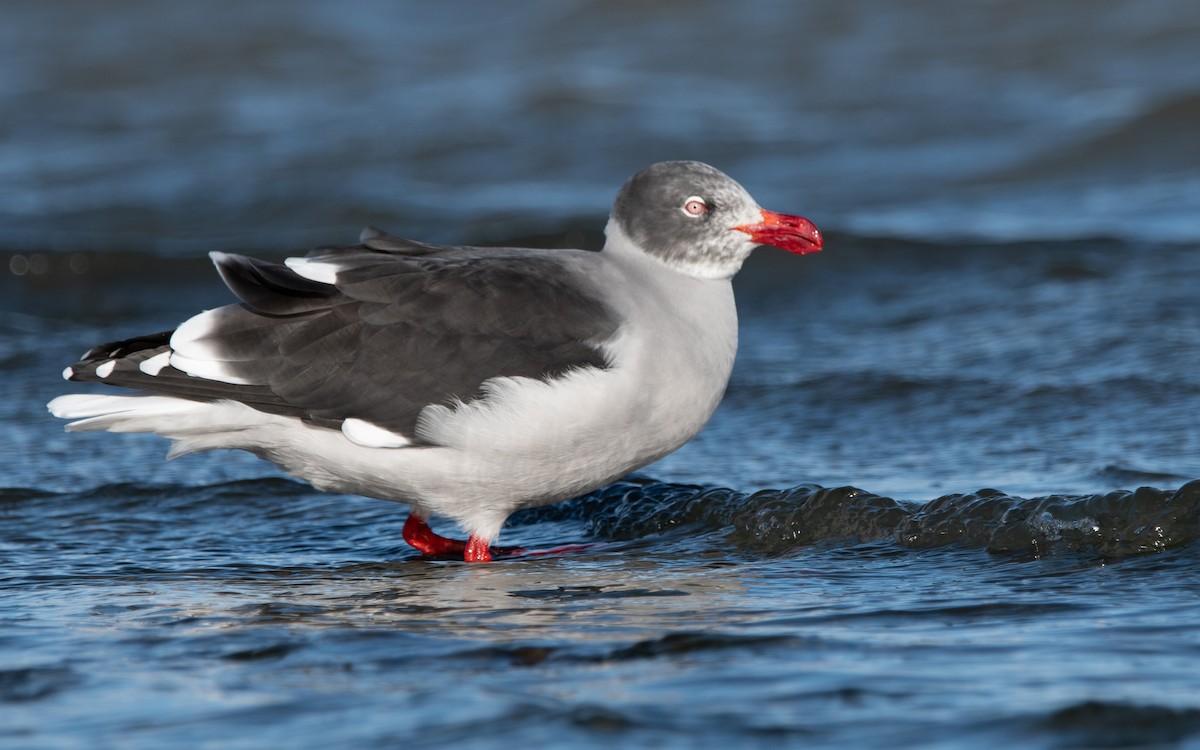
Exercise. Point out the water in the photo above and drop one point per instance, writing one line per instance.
(948, 501)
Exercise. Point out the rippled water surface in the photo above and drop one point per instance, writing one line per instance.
(257, 612)
(950, 499)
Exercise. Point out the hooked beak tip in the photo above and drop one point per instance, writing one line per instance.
(795, 234)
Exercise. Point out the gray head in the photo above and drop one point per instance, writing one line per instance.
(700, 221)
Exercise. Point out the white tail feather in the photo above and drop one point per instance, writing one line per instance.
(325, 458)
(118, 413)
(194, 425)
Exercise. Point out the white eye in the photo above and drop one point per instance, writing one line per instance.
(694, 206)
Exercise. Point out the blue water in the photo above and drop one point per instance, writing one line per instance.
(948, 501)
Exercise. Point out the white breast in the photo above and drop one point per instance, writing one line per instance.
(535, 442)
(528, 442)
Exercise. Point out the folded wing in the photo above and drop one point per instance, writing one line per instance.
(366, 336)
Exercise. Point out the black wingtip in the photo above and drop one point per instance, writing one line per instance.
(125, 347)
(380, 241)
(270, 288)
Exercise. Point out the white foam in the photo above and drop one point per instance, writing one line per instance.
(368, 435)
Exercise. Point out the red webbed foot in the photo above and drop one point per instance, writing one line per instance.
(476, 549)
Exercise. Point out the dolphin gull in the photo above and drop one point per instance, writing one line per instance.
(466, 382)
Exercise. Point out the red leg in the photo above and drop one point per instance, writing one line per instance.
(476, 549)
(418, 534)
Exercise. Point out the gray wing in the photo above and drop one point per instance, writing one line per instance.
(404, 325)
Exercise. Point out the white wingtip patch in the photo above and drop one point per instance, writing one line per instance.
(106, 369)
(313, 270)
(155, 364)
(207, 369)
(68, 373)
(194, 353)
(362, 432)
(194, 329)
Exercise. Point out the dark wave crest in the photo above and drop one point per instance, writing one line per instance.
(1155, 141)
(1112, 524)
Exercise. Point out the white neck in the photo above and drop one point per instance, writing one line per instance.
(618, 243)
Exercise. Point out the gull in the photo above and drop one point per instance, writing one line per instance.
(465, 382)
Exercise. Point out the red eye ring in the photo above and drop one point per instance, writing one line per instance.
(694, 206)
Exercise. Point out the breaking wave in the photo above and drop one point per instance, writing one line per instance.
(771, 522)
(1114, 524)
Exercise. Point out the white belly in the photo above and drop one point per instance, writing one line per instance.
(529, 442)
(526, 442)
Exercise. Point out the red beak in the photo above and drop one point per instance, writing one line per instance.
(795, 234)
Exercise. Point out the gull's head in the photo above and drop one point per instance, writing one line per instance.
(700, 221)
